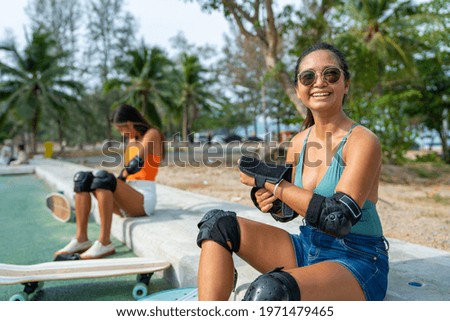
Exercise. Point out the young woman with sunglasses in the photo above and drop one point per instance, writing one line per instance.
(340, 252)
(133, 193)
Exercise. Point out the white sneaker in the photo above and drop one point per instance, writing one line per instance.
(74, 247)
(98, 250)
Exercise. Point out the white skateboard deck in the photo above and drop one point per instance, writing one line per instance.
(80, 269)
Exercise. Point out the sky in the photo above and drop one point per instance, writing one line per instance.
(158, 20)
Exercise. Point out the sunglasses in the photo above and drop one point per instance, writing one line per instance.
(330, 75)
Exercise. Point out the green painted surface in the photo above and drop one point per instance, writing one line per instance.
(29, 234)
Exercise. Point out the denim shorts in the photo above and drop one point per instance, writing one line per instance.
(365, 256)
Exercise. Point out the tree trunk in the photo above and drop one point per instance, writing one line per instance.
(245, 115)
(289, 89)
(145, 102)
(60, 136)
(35, 120)
(278, 130)
(255, 26)
(34, 129)
(443, 135)
(264, 109)
(184, 126)
(286, 83)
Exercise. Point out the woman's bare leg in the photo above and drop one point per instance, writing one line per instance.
(215, 273)
(263, 246)
(123, 197)
(329, 281)
(82, 212)
(127, 198)
(105, 208)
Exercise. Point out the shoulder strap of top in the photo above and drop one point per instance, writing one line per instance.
(307, 136)
(341, 144)
(302, 153)
(348, 133)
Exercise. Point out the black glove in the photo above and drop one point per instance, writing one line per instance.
(271, 173)
(121, 177)
(135, 165)
(279, 211)
(263, 172)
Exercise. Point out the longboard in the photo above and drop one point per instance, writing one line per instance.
(59, 205)
(33, 276)
(181, 294)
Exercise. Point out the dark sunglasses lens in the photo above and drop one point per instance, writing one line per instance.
(332, 75)
(307, 78)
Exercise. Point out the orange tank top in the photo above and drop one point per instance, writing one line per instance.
(151, 165)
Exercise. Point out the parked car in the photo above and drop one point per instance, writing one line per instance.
(218, 139)
(254, 139)
(201, 137)
(233, 138)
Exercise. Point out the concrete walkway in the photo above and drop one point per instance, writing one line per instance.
(417, 272)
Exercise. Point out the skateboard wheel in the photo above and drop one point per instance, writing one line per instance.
(19, 297)
(144, 278)
(139, 291)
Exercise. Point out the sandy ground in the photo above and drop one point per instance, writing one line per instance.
(414, 199)
(411, 208)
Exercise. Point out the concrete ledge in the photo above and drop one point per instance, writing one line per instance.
(417, 272)
(16, 170)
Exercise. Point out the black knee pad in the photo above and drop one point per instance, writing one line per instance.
(104, 180)
(276, 285)
(220, 227)
(82, 182)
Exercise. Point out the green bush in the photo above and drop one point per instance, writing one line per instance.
(431, 157)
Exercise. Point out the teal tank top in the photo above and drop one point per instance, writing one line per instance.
(369, 223)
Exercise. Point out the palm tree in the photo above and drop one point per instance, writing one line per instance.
(34, 82)
(148, 82)
(195, 91)
(377, 23)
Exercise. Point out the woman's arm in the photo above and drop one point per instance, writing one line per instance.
(264, 196)
(362, 156)
(151, 143)
(150, 146)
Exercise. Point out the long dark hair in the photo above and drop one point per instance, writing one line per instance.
(126, 113)
(340, 58)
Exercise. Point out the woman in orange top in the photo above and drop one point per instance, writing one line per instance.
(133, 193)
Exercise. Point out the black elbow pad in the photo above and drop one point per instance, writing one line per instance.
(334, 215)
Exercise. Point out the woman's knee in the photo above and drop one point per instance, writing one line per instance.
(276, 285)
(221, 227)
(82, 182)
(104, 181)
